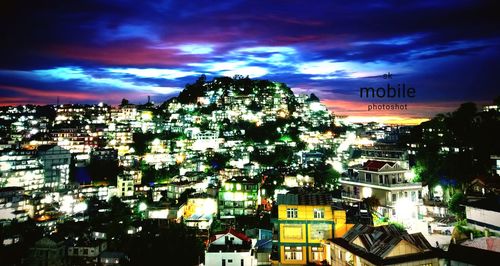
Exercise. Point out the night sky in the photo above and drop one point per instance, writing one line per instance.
(91, 51)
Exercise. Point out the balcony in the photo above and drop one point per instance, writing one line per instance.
(357, 181)
(351, 195)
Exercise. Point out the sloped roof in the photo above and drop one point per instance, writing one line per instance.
(233, 232)
(375, 165)
(379, 241)
(490, 243)
(470, 255)
(242, 179)
(491, 181)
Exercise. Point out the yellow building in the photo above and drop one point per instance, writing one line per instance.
(304, 222)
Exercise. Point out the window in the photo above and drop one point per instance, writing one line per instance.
(394, 197)
(319, 231)
(292, 232)
(293, 253)
(406, 194)
(319, 213)
(291, 213)
(368, 177)
(317, 253)
(380, 179)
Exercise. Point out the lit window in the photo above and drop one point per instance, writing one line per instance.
(293, 253)
(317, 253)
(291, 213)
(319, 213)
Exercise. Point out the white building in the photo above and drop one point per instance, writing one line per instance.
(484, 214)
(230, 248)
(390, 184)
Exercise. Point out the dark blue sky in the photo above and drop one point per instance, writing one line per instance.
(91, 51)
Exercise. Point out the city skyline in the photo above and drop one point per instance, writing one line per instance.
(93, 52)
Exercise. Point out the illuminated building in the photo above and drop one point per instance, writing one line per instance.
(56, 162)
(238, 196)
(304, 222)
(175, 189)
(12, 205)
(125, 186)
(230, 248)
(389, 183)
(382, 245)
(21, 168)
(199, 212)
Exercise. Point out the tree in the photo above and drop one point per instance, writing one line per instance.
(455, 207)
(218, 161)
(183, 197)
(313, 98)
(124, 102)
(120, 217)
(141, 141)
(324, 174)
(372, 203)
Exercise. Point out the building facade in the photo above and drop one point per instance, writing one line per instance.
(365, 245)
(390, 183)
(238, 196)
(304, 221)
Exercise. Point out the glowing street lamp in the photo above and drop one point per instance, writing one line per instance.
(143, 206)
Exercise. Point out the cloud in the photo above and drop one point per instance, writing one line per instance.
(153, 72)
(251, 71)
(100, 79)
(196, 48)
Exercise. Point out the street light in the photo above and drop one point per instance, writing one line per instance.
(143, 206)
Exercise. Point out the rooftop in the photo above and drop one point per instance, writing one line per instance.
(305, 198)
(375, 165)
(376, 243)
(491, 204)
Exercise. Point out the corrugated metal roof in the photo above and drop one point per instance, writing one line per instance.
(306, 198)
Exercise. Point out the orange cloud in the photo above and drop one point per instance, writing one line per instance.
(416, 112)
